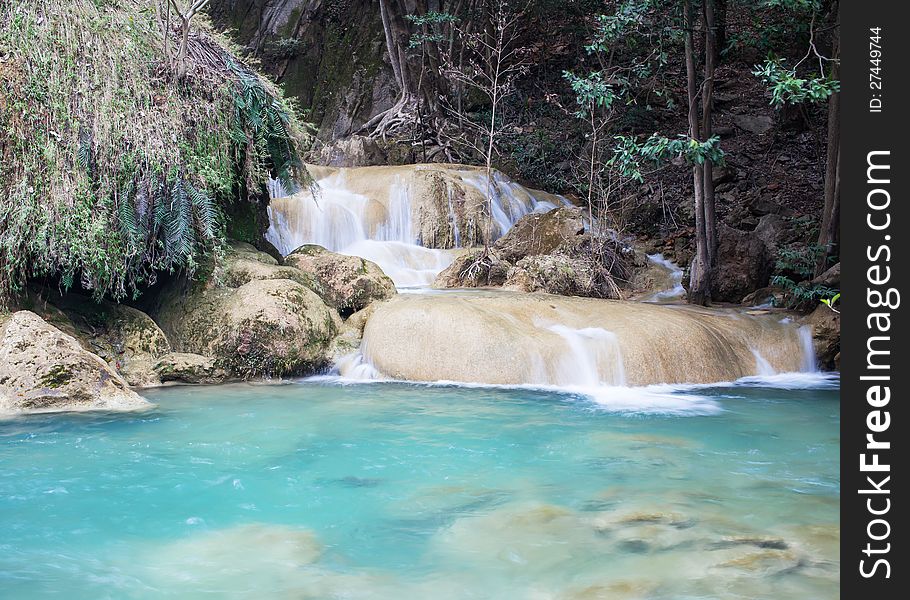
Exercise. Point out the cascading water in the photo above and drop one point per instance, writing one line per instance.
(372, 212)
(671, 287)
(511, 201)
(390, 214)
(594, 357)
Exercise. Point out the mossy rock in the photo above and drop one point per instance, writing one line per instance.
(348, 283)
(262, 328)
(43, 369)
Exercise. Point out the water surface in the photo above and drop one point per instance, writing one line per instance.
(396, 491)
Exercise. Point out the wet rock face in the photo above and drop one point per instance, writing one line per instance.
(43, 369)
(330, 56)
(181, 367)
(348, 283)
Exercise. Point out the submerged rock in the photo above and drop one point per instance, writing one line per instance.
(43, 369)
(348, 283)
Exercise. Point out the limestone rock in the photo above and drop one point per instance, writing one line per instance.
(517, 338)
(262, 328)
(125, 337)
(182, 367)
(354, 151)
(43, 369)
(541, 233)
(348, 283)
(563, 275)
(472, 269)
(243, 263)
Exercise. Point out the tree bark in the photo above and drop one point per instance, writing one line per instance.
(828, 237)
(699, 274)
(707, 101)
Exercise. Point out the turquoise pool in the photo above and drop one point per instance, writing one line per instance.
(317, 489)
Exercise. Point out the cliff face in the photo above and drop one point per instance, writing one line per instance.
(327, 54)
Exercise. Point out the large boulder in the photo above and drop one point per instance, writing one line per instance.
(564, 275)
(269, 327)
(348, 283)
(125, 337)
(541, 233)
(512, 338)
(743, 265)
(43, 369)
(254, 318)
(243, 263)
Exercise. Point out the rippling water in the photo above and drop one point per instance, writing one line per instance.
(394, 491)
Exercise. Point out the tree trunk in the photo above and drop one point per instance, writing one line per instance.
(699, 274)
(707, 101)
(720, 28)
(828, 231)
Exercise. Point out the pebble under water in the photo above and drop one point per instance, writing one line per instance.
(320, 490)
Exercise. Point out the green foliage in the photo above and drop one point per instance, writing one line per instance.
(794, 266)
(799, 261)
(830, 302)
(788, 88)
(804, 294)
(630, 156)
(591, 92)
(430, 24)
(111, 170)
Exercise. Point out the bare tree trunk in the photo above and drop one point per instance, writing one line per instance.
(707, 101)
(699, 273)
(828, 231)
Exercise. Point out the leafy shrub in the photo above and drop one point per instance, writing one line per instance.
(111, 168)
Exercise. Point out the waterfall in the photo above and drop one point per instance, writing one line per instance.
(382, 214)
(808, 349)
(594, 357)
